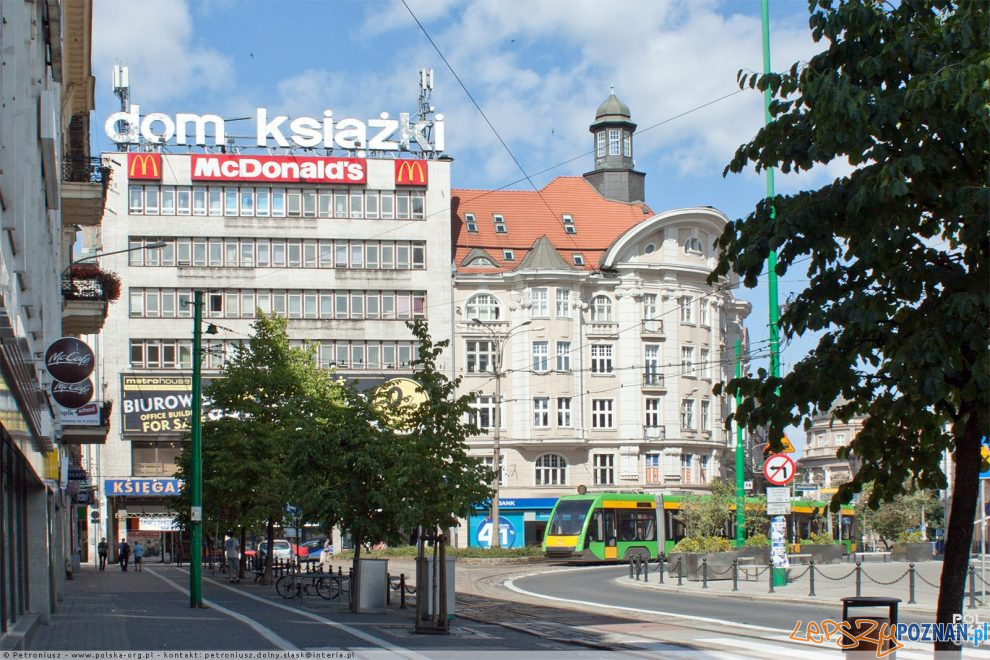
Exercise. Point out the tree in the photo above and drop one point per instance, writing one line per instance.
(265, 405)
(891, 519)
(705, 515)
(897, 250)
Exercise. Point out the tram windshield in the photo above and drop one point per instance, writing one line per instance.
(568, 517)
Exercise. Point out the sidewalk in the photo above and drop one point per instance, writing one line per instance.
(832, 582)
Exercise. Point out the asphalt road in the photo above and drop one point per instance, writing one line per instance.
(597, 587)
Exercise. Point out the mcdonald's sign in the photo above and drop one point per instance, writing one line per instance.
(410, 172)
(144, 166)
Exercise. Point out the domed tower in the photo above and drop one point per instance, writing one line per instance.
(614, 176)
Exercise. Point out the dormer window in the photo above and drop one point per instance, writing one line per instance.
(499, 224)
(569, 224)
(578, 259)
(508, 255)
(482, 262)
(693, 245)
(471, 223)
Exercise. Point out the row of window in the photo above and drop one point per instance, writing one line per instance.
(612, 139)
(264, 202)
(177, 353)
(277, 253)
(486, 307)
(243, 303)
(602, 413)
(552, 469)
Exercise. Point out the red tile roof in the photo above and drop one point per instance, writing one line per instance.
(598, 222)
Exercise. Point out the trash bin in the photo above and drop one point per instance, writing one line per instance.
(858, 624)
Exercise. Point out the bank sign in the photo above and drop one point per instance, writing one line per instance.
(141, 487)
(325, 132)
(157, 404)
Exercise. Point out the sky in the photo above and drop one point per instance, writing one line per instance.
(538, 70)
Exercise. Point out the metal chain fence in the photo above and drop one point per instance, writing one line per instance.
(885, 584)
(836, 579)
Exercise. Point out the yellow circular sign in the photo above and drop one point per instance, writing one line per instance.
(396, 398)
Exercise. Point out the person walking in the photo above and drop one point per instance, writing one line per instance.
(138, 554)
(233, 551)
(102, 549)
(326, 556)
(124, 552)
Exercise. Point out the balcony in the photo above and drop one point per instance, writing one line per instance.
(652, 378)
(603, 329)
(86, 292)
(652, 328)
(88, 425)
(651, 433)
(84, 191)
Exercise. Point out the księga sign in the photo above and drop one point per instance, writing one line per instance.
(381, 134)
(157, 404)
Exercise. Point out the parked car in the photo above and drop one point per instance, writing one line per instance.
(283, 550)
(314, 550)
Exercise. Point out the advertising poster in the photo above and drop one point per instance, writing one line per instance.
(157, 404)
(778, 542)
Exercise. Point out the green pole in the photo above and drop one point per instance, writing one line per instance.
(740, 463)
(772, 257)
(196, 471)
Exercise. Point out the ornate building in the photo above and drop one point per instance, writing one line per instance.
(587, 314)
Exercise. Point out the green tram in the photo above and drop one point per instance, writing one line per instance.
(597, 527)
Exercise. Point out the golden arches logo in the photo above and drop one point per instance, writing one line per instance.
(410, 172)
(144, 166)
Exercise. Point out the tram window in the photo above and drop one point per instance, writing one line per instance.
(595, 527)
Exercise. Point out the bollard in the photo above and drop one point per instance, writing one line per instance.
(811, 571)
(972, 586)
(859, 578)
(770, 573)
(911, 600)
(646, 569)
(662, 557)
(735, 575)
(704, 572)
(631, 560)
(402, 591)
(680, 572)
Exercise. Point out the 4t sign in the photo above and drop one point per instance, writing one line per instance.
(779, 469)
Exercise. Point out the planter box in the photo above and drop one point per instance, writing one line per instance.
(830, 553)
(719, 564)
(913, 552)
(761, 555)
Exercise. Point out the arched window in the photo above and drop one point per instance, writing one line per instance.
(483, 307)
(601, 308)
(551, 470)
(482, 262)
(693, 246)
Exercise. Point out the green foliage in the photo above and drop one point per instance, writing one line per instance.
(704, 516)
(757, 520)
(702, 544)
(911, 537)
(820, 538)
(891, 519)
(757, 541)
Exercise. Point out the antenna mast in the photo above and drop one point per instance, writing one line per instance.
(122, 90)
(425, 112)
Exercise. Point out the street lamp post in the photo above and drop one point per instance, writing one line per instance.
(500, 342)
(196, 468)
(149, 246)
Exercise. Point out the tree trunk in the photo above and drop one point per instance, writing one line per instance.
(240, 564)
(959, 532)
(266, 578)
(357, 539)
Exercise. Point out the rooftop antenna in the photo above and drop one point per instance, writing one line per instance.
(122, 90)
(425, 113)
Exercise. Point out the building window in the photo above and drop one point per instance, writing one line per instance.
(483, 307)
(693, 246)
(541, 356)
(653, 467)
(541, 303)
(604, 469)
(483, 412)
(569, 227)
(704, 469)
(687, 309)
(601, 414)
(480, 356)
(499, 224)
(578, 259)
(564, 412)
(613, 141)
(687, 360)
(551, 470)
(600, 141)
(651, 365)
(489, 461)
(651, 312)
(626, 144)
(508, 255)
(705, 366)
(541, 413)
(563, 303)
(563, 356)
(706, 411)
(652, 405)
(703, 314)
(601, 358)
(687, 414)
(601, 309)
(471, 223)
(687, 468)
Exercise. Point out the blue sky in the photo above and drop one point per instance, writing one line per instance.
(537, 68)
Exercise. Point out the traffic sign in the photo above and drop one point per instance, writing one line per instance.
(778, 508)
(779, 469)
(785, 443)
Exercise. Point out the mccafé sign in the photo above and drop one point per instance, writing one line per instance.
(381, 134)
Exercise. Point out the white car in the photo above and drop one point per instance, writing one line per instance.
(283, 549)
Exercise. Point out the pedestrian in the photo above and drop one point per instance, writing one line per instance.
(124, 552)
(327, 555)
(233, 550)
(102, 549)
(138, 554)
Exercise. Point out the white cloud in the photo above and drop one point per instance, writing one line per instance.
(154, 39)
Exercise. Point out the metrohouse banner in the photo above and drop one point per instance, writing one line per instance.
(157, 404)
